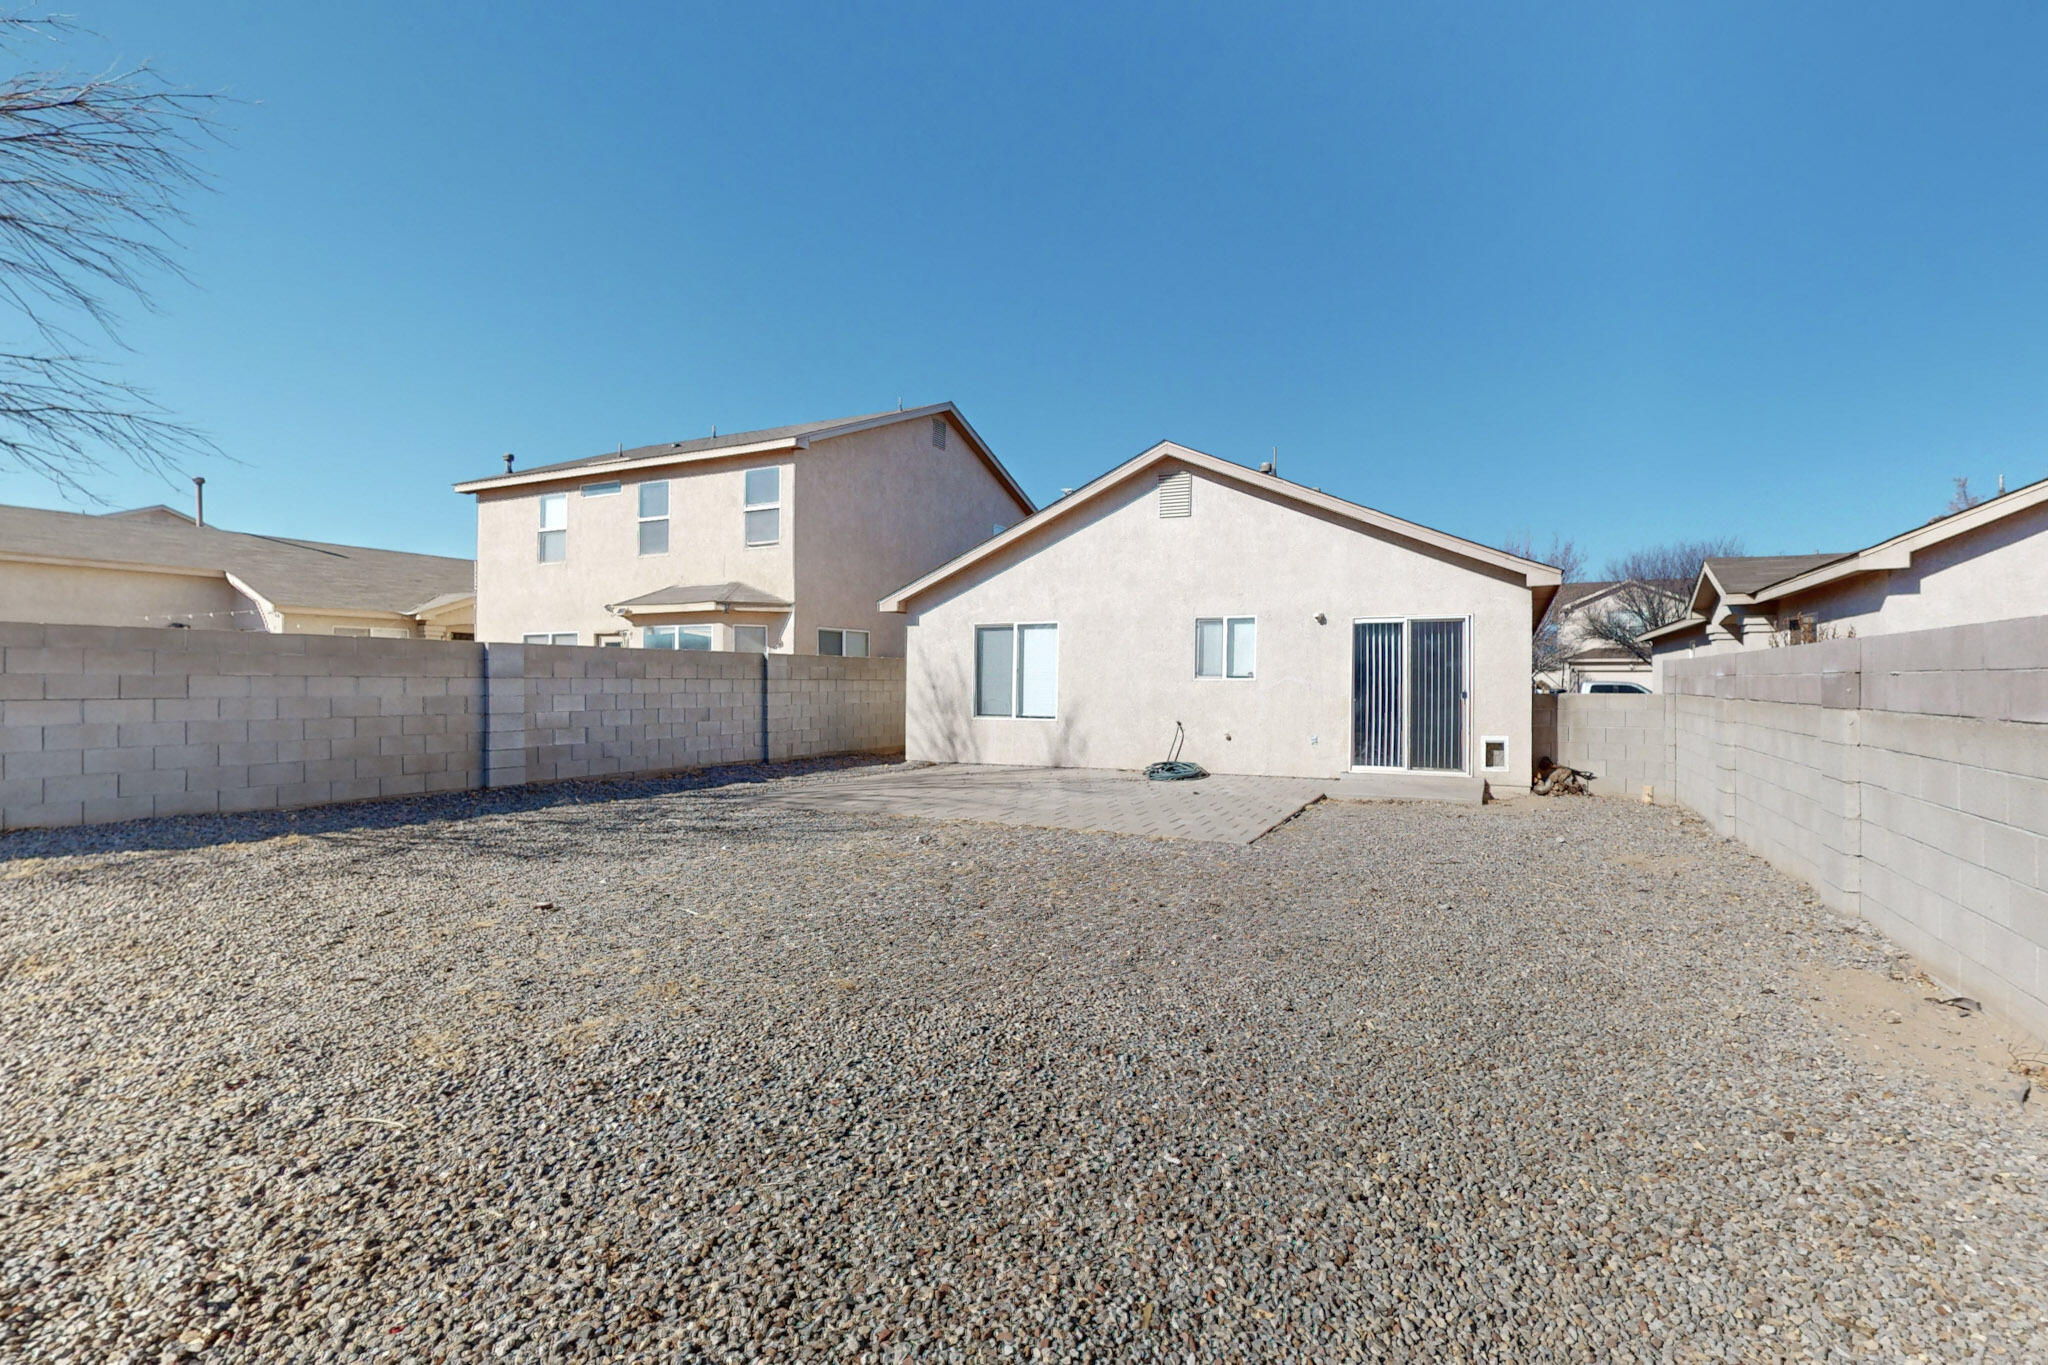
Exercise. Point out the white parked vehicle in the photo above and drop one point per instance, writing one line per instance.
(1636, 688)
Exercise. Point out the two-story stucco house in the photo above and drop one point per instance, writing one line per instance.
(1983, 564)
(768, 541)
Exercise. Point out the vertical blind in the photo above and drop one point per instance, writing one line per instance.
(1436, 737)
(1376, 694)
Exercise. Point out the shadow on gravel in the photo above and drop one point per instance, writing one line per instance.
(572, 798)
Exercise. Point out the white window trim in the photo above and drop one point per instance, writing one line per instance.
(867, 642)
(747, 506)
(1016, 629)
(547, 637)
(541, 512)
(602, 490)
(641, 518)
(1506, 756)
(1408, 694)
(1226, 675)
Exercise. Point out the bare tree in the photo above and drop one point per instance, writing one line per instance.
(1962, 500)
(1653, 586)
(92, 174)
(1546, 646)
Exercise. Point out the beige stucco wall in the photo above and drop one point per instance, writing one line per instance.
(862, 515)
(517, 594)
(881, 508)
(1125, 587)
(1993, 573)
(74, 595)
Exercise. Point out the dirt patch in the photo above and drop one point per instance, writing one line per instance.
(1897, 1028)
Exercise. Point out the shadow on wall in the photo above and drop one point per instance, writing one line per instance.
(363, 824)
(946, 728)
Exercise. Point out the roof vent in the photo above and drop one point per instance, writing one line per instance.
(938, 433)
(1177, 494)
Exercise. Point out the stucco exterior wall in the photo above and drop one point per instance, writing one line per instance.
(76, 595)
(707, 543)
(882, 507)
(862, 514)
(1125, 587)
(1993, 573)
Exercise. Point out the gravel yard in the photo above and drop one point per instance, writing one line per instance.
(672, 1076)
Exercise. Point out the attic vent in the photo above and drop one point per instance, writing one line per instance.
(939, 432)
(1177, 494)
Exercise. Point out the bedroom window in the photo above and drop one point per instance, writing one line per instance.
(764, 506)
(1016, 671)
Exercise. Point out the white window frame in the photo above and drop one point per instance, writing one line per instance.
(648, 634)
(540, 545)
(842, 632)
(643, 520)
(748, 505)
(1016, 679)
(602, 490)
(1506, 760)
(1407, 624)
(739, 648)
(1229, 673)
(548, 637)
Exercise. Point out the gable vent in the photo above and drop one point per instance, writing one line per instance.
(1177, 494)
(939, 432)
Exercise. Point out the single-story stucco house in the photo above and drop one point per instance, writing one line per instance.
(1984, 563)
(155, 566)
(1285, 631)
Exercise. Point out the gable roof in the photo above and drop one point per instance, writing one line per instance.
(1542, 579)
(1745, 575)
(1573, 596)
(768, 439)
(284, 572)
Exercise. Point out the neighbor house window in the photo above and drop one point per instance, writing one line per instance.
(554, 527)
(600, 490)
(542, 637)
(676, 637)
(1226, 646)
(654, 517)
(1016, 670)
(764, 506)
(750, 639)
(851, 643)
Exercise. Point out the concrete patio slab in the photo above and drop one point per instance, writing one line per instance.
(1220, 808)
(1452, 787)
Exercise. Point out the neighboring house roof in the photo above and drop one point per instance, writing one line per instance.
(1542, 579)
(702, 597)
(284, 573)
(767, 440)
(1745, 575)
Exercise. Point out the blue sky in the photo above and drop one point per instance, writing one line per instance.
(1625, 272)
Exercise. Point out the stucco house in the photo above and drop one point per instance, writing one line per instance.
(1581, 656)
(154, 566)
(767, 541)
(1986, 563)
(1285, 631)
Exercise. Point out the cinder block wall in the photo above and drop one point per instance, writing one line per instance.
(105, 723)
(1623, 739)
(1905, 777)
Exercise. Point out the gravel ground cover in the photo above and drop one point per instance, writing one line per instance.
(672, 1077)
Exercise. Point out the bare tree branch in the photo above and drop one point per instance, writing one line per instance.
(93, 172)
(1654, 585)
(1546, 647)
(1962, 500)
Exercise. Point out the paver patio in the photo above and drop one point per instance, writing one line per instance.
(1217, 809)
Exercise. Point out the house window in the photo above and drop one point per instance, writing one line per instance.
(750, 639)
(554, 527)
(851, 643)
(1494, 752)
(675, 637)
(1226, 646)
(359, 632)
(654, 517)
(600, 490)
(1016, 671)
(938, 433)
(542, 637)
(764, 506)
